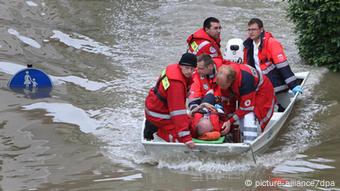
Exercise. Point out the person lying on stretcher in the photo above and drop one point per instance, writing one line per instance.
(207, 121)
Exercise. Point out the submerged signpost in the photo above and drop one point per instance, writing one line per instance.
(32, 82)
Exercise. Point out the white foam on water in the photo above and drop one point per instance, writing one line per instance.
(115, 130)
(321, 160)
(67, 113)
(24, 39)
(302, 164)
(124, 178)
(299, 166)
(119, 52)
(122, 135)
(85, 83)
(12, 68)
(31, 3)
(216, 165)
(82, 42)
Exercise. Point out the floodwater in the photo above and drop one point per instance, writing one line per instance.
(103, 56)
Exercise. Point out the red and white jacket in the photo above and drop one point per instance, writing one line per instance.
(254, 93)
(273, 62)
(204, 85)
(200, 42)
(165, 105)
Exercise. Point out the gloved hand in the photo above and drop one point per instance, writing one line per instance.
(203, 110)
(219, 108)
(297, 89)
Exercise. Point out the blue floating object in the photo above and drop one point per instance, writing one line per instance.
(31, 81)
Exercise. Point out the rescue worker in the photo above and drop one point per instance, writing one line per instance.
(255, 95)
(204, 84)
(165, 108)
(207, 39)
(265, 53)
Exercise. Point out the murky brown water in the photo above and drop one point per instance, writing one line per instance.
(103, 56)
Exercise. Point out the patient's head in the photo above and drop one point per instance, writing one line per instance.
(204, 126)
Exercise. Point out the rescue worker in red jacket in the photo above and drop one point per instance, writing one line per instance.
(255, 95)
(207, 39)
(204, 83)
(265, 53)
(165, 108)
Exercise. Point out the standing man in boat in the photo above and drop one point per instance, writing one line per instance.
(265, 53)
(255, 95)
(207, 39)
(165, 108)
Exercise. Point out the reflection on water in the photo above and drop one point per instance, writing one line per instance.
(301, 165)
(24, 39)
(103, 56)
(67, 113)
(31, 3)
(125, 178)
(83, 43)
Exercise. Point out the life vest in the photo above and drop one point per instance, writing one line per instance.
(169, 115)
(273, 61)
(172, 72)
(200, 42)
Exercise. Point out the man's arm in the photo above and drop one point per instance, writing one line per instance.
(195, 93)
(280, 60)
(176, 95)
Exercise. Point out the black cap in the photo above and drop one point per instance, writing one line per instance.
(188, 59)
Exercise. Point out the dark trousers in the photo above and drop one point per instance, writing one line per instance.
(149, 130)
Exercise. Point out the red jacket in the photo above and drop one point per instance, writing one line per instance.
(273, 61)
(254, 92)
(200, 42)
(202, 86)
(165, 105)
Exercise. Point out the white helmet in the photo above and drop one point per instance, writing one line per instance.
(234, 50)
